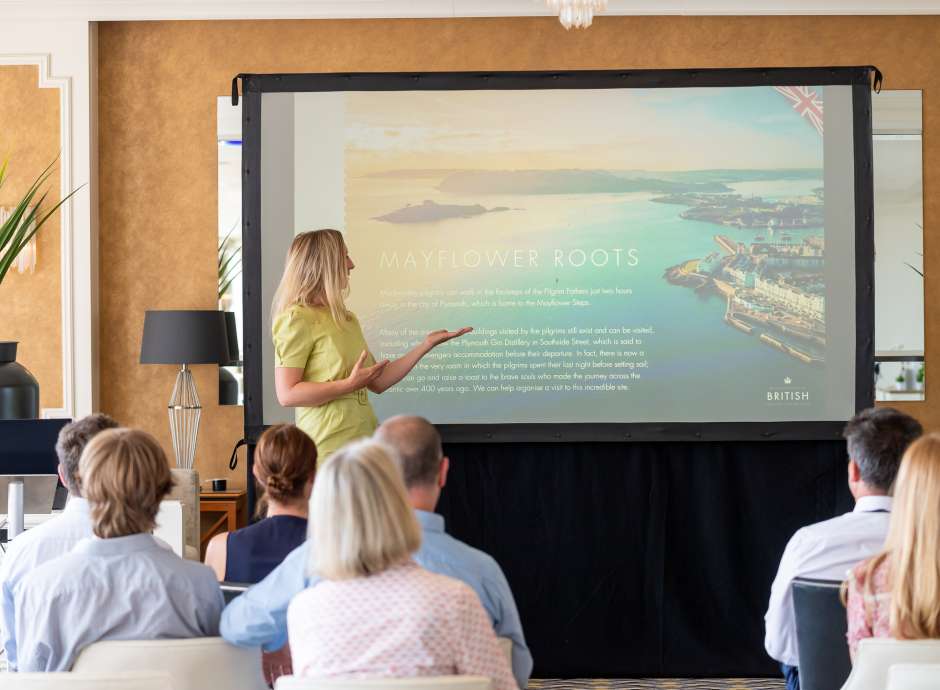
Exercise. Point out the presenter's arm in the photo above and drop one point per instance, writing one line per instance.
(293, 391)
(399, 368)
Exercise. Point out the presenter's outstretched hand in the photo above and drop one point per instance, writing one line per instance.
(435, 338)
(361, 376)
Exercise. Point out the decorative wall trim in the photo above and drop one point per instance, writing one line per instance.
(114, 10)
(64, 85)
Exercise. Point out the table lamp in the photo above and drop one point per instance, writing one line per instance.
(185, 337)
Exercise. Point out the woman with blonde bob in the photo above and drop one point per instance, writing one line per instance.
(376, 612)
(123, 585)
(896, 593)
(323, 366)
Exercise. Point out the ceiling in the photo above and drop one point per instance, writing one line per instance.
(328, 9)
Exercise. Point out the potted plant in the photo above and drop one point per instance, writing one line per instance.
(899, 379)
(230, 256)
(19, 390)
(919, 380)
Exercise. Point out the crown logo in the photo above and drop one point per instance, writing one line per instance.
(788, 380)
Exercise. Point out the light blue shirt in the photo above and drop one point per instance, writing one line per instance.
(259, 616)
(55, 537)
(125, 588)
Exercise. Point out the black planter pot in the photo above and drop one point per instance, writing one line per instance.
(228, 387)
(19, 390)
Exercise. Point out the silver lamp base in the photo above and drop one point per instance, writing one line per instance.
(184, 411)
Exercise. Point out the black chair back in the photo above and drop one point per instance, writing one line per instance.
(820, 634)
(230, 590)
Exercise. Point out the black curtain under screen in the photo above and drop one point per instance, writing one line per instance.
(642, 559)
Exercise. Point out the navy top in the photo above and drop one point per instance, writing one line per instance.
(254, 551)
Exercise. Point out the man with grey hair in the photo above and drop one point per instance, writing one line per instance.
(259, 616)
(419, 454)
(876, 439)
(54, 537)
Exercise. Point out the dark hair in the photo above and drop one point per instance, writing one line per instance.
(285, 460)
(72, 441)
(417, 445)
(876, 440)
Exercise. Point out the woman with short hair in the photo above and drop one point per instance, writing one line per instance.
(895, 594)
(123, 584)
(285, 462)
(376, 613)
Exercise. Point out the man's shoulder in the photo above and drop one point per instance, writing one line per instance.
(855, 535)
(826, 529)
(53, 538)
(459, 555)
(191, 570)
(55, 576)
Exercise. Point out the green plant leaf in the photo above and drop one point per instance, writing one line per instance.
(26, 219)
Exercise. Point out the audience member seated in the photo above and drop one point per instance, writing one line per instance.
(54, 537)
(376, 612)
(895, 593)
(876, 439)
(121, 585)
(258, 617)
(284, 464)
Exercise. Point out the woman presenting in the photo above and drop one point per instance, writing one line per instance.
(322, 362)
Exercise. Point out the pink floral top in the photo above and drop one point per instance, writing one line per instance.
(402, 622)
(868, 605)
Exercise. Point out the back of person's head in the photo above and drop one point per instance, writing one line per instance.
(360, 519)
(72, 440)
(913, 544)
(124, 475)
(315, 273)
(876, 439)
(418, 448)
(285, 461)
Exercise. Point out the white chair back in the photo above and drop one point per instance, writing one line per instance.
(200, 663)
(86, 681)
(169, 526)
(913, 676)
(186, 491)
(421, 683)
(876, 655)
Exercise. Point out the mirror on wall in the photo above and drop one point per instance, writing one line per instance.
(899, 269)
(228, 136)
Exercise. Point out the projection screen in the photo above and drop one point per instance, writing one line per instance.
(654, 254)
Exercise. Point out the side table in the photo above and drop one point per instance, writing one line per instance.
(220, 511)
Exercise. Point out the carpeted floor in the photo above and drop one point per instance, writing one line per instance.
(656, 684)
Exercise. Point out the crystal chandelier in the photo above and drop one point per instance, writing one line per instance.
(576, 13)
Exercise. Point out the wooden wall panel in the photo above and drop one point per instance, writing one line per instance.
(157, 90)
(30, 304)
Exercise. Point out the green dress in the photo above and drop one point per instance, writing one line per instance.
(308, 338)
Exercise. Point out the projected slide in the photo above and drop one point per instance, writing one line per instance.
(624, 255)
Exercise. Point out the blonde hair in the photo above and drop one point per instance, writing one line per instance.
(912, 548)
(124, 476)
(360, 520)
(315, 274)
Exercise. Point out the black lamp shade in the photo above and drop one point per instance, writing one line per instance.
(186, 337)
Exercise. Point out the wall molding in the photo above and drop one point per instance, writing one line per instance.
(43, 62)
(116, 10)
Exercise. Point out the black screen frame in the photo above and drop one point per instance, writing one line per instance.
(859, 77)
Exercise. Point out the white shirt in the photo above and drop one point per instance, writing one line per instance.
(53, 538)
(125, 588)
(827, 551)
